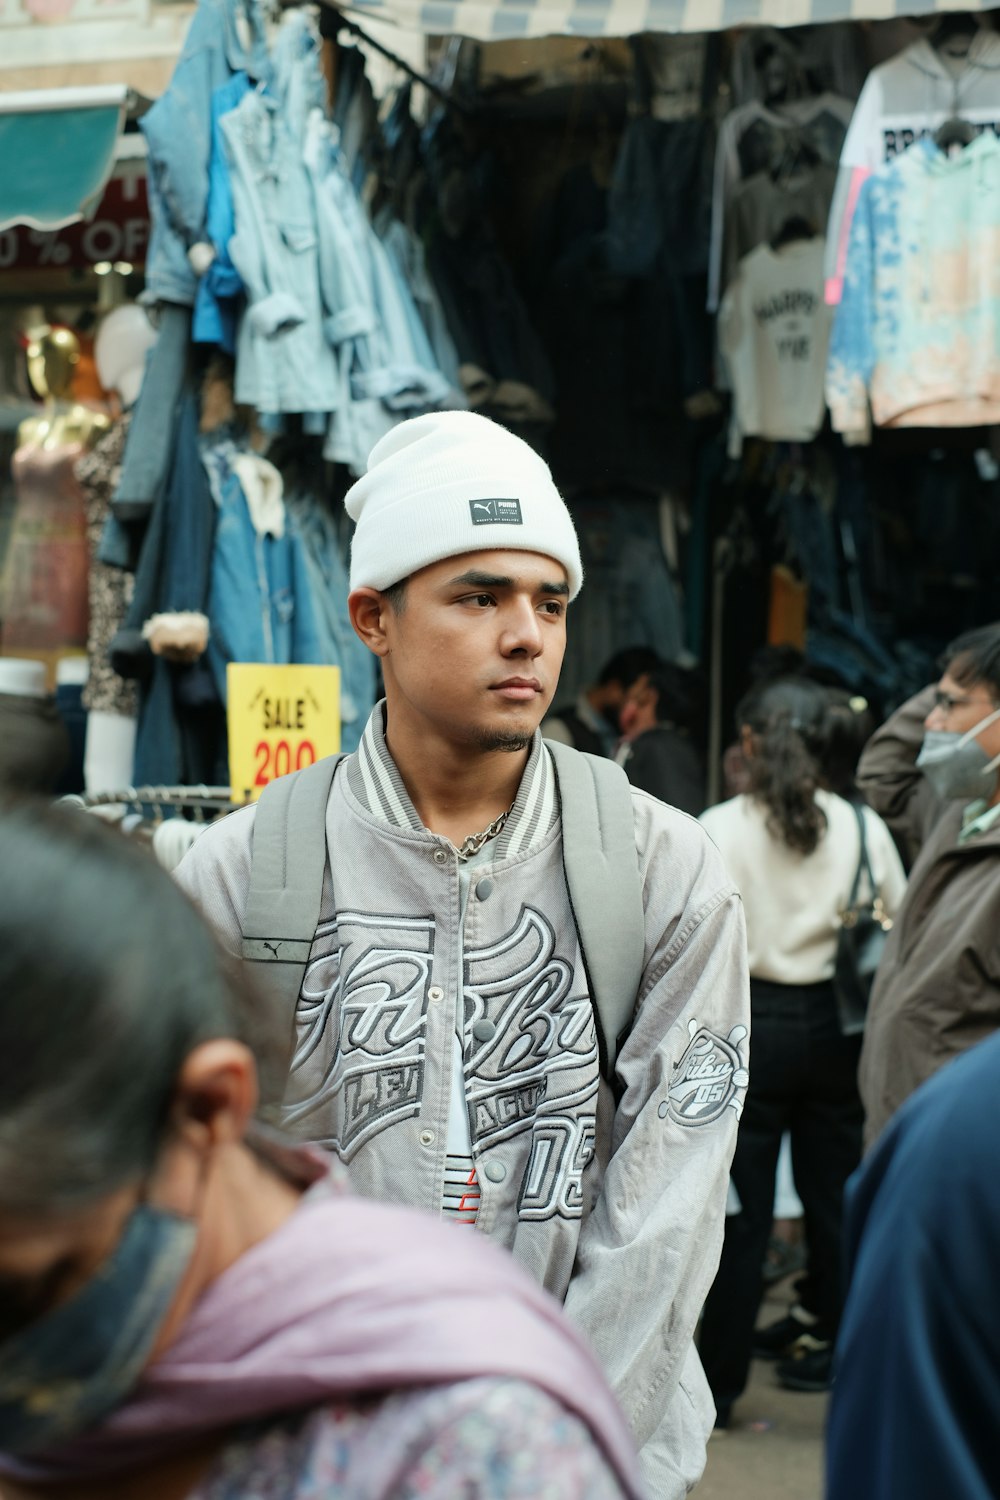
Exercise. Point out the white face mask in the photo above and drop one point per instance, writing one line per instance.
(956, 765)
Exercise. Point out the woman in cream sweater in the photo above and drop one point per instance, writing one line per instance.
(792, 847)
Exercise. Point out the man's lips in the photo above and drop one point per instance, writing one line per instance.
(518, 689)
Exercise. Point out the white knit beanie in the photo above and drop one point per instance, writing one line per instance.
(453, 482)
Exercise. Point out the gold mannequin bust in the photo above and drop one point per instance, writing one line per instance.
(53, 355)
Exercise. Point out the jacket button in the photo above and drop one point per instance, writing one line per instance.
(484, 890)
(495, 1171)
(435, 992)
(484, 1031)
(440, 856)
(427, 1138)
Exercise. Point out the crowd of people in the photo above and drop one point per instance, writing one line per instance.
(464, 978)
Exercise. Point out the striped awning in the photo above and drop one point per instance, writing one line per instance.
(497, 20)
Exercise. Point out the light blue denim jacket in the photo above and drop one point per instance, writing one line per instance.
(386, 366)
(178, 131)
(417, 381)
(260, 604)
(406, 252)
(284, 362)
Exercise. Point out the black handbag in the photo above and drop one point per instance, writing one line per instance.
(864, 928)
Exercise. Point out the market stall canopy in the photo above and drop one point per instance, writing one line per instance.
(58, 149)
(495, 20)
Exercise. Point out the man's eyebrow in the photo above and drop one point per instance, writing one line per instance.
(476, 580)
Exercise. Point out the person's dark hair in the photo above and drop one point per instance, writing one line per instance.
(769, 662)
(109, 978)
(788, 720)
(975, 657)
(848, 727)
(628, 666)
(396, 595)
(677, 696)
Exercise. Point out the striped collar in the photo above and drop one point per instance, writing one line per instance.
(374, 780)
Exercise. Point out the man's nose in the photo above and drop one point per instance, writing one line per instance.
(936, 718)
(522, 629)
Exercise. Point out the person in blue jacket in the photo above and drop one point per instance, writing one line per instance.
(915, 1410)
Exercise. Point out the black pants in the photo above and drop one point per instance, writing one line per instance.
(803, 1078)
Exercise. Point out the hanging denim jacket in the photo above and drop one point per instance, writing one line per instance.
(351, 322)
(387, 368)
(173, 575)
(178, 131)
(260, 605)
(284, 362)
(220, 290)
(355, 114)
(409, 261)
(326, 570)
(151, 437)
(412, 381)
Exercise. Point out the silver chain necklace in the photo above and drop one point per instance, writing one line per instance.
(475, 841)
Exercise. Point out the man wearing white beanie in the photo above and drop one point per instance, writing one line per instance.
(448, 1040)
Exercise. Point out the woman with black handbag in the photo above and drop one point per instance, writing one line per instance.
(815, 871)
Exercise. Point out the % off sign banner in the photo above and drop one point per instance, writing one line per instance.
(280, 719)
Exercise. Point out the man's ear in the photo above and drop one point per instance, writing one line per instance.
(369, 612)
(216, 1094)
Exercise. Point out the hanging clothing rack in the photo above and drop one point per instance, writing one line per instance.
(333, 20)
(196, 799)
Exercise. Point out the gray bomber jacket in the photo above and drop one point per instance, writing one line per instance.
(619, 1212)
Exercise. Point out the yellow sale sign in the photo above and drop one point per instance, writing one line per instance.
(280, 719)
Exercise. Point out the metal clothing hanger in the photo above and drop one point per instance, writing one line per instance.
(955, 26)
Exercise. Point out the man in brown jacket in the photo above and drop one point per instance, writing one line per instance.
(932, 773)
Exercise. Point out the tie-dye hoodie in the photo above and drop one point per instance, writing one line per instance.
(916, 339)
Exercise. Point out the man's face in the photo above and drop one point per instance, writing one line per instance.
(638, 710)
(610, 704)
(960, 708)
(476, 651)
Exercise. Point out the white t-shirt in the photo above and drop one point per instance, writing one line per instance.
(793, 901)
(774, 333)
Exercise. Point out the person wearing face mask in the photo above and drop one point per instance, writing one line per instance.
(192, 1307)
(933, 773)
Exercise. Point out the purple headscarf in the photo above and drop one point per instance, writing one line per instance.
(347, 1298)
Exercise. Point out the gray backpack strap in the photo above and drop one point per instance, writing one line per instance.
(605, 889)
(287, 865)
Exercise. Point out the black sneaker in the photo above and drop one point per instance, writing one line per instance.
(786, 1337)
(811, 1370)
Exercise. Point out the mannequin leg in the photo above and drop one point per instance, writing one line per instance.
(110, 752)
